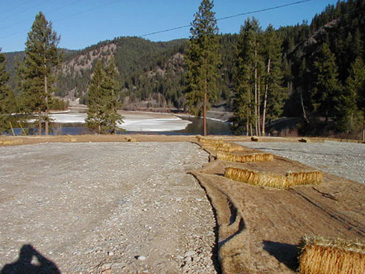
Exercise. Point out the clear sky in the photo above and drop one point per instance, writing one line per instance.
(82, 23)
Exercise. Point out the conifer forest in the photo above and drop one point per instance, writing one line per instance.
(311, 75)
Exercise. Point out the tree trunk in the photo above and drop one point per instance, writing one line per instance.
(255, 94)
(46, 103)
(265, 97)
(363, 129)
(205, 115)
(303, 109)
(39, 122)
(259, 107)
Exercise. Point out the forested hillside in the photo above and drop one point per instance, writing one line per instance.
(319, 69)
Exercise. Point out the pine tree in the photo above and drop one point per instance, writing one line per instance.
(247, 79)
(41, 58)
(326, 91)
(7, 98)
(274, 95)
(111, 102)
(354, 98)
(102, 100)
(202, 62)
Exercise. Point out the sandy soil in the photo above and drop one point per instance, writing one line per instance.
(113, 207)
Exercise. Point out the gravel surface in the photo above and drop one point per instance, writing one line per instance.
(106, 207)
(346, 160)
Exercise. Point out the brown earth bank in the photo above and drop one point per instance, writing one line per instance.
(104, 205)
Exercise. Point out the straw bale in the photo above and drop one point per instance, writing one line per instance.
(225, 147)
(337, 256)
(71, 138)
(304, 140)
(130, 139)
(244, 158)
(305, 177)
(273, 180)
(11, 142)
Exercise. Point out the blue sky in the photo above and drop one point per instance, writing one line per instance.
(82, 23)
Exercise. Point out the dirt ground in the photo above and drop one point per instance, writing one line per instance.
(112, 207)
(97, 204)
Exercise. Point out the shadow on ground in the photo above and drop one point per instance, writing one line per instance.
(30, 261)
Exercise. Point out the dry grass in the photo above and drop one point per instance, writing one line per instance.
(245, 158)
(331, 256)
(273, 180)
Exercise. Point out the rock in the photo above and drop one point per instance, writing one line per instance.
(189, 253)
(140, 258)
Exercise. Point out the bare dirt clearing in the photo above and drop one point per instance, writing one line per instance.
(120, 207)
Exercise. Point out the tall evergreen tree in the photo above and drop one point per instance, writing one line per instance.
(202, 62)
(326, 90)
(353, 103)
(7, 98)
(112, 104)
(102, 101)
(247, 79)
(274, 94)
(41, 58)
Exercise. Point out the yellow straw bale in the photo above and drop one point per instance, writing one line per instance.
(244, 158)
(273, 180)
(12, 142)
(71, 138)
(304, 140)
(331, 256)
(130, 139)
(305, 177)
(225, 147)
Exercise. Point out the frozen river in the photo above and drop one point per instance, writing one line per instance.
(139, 121)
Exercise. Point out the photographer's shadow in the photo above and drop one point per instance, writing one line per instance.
(30, 261)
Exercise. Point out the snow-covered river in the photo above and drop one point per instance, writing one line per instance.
(132, 121)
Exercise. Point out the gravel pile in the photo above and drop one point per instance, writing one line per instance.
(106, 207)
(346, 160)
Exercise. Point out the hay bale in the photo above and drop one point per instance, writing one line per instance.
(12, 142)
(304, 177)
(273, 180)
(321, 255)
(130, 139)
(244, 158)
(222, 146)
(71, 139)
